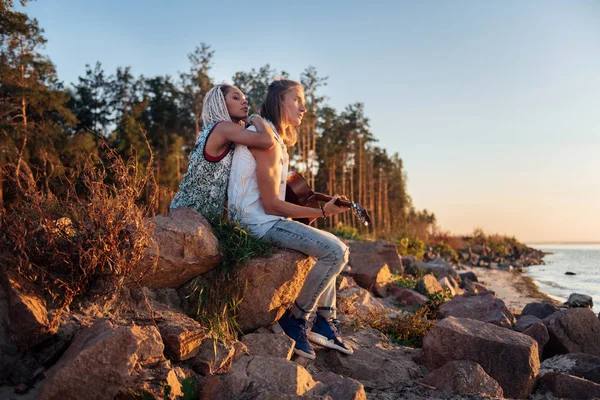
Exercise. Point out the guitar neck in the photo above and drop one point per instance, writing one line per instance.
(338, 202)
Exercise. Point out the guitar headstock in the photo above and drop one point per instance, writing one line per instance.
(360, 213)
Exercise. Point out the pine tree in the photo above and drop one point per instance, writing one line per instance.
(32, 101)
(196, 83)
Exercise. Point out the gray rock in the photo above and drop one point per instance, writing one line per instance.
(539, 333)
(576, 330)
(539, 309)
(577, 364)
(579, 300)
(525, 322)
(468, 275)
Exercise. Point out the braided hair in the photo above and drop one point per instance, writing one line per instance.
(214, 107)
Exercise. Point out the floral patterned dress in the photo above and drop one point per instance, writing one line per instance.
(204, 185)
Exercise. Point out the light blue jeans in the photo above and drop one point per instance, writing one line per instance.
(318, 291)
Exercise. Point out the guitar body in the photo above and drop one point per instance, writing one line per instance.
(299, 192)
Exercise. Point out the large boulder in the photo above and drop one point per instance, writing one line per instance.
(577, 364)
(28, 322)
(373, 264)
(539, 309)
(374, 280)
(272, 286)
(101, 362)
(576, 330)
(463, 378)
(367, 257)
(185, 246)
(509, 357)
(484, 307)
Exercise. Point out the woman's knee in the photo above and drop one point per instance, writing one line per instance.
(340, 253)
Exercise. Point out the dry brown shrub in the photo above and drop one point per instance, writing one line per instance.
(85, 241)
(407, 330)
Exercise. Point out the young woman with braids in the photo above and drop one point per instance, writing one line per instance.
(256, 195)
(204, 185)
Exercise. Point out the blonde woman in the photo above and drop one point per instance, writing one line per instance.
(256, 195)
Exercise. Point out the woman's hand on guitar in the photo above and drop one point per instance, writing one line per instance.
(331, 208)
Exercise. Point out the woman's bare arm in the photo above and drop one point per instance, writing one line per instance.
(268, 174)
(227, 132)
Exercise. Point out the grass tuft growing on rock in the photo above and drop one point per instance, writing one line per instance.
(407, 330)
(213, 298)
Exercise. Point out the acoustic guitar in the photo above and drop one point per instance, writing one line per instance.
(298, 192)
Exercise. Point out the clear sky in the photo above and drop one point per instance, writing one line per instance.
(494, 106)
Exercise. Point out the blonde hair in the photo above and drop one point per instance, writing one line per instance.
(214, 107)
(272, 108)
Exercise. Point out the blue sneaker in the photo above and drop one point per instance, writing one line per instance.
(325, 333)
(296, 329)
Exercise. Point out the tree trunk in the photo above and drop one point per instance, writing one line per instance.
(351, 192)
(313, 153)
(25, 133)
(380, 200)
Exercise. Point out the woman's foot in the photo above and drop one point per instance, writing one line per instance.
(325, 333)
(296, 329)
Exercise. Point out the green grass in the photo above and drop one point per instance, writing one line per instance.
(214, 297)
(188, 387)
(346, 232)
(404, 281)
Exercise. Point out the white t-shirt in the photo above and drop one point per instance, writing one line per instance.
(243, 196)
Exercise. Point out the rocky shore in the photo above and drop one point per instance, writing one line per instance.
(481, 331)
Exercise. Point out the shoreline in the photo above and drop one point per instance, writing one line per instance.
(515, 288)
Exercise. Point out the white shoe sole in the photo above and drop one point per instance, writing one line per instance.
(323, 341)
(278, 329)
